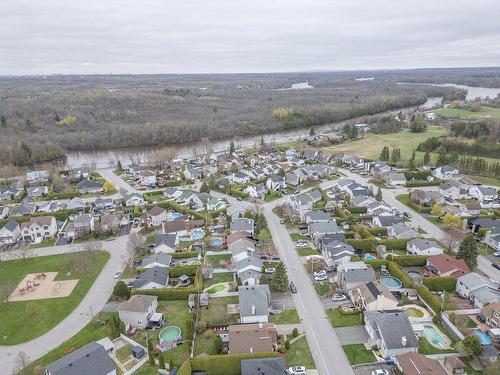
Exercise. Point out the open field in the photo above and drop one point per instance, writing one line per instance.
(371, 145)
(465, 114)
(24, 320)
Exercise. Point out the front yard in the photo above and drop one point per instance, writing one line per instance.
(357, 354)
(286, 317)
(340, 319)
(306, 251)
(299, 354)
(21, 321)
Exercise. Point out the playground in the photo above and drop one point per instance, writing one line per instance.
(42, 285)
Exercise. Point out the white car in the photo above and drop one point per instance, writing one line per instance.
(322, 277)
(301, 243)
(338, 297)
(496, 254)
(270, 270)
(380, 371)
(319, 273)
(117, 274)
(297, 370)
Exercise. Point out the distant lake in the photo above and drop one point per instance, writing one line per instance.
(473, 92)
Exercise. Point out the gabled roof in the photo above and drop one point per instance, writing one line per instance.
(417, 364)
(160, 258)
(174, 226)
(324, 227)
(155, 211)
(156, 275)
(255, 298)
(445, 263)
(168, 239)
(137, 303)
(392, 327)
(11, 225)
(88, 184)
(423, 244)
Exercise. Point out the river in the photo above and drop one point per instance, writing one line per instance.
(107, 158)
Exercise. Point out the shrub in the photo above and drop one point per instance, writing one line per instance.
(378, 231)
(185, 254)
(432, 300)
(409, 260)
(295, 332)
(176, 271)
(366, 245)
(229, 364)
(365, 233)
(357, 210)
(169, 294)
(396, 271)
(121, 290)
(437, 283)
(394, 244)
(287, 344)
(185, 368)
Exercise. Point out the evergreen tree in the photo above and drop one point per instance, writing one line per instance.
(231, 148)
(427, 158)
(121, 290)
(412, 162)
(3, 121)
(151, 354)
(468, 251)
(161, 362)
(312, 132)
(280, 279)
(378, 196)
(204, 188)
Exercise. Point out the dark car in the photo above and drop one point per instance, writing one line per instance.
(481, 318)
(293, 289)
(496, 265)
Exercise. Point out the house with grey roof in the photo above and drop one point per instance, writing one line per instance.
(256, 191)
(480, 289)
(255, 302)
(249, 270)
(83, 224)
(152, 278)
(242, 225)
(446, 172)
(292, 179)
(386, 221)
(165, 243)
(276, 183)
(37, 176)
(336, 253)
(235, 211)
(133, 199)
(138, 310)
(484, 194)
(77, 204)
(361, 201)
(401, 231)
(316, 217)
(23, 209)
(396, 179)
(318, 229)
(91, 359)
(10, 192)
(157, 260)
(353, 274)
(10, 233)
(422, 246)
(264, 366)
(88, 186)
(193, 173)
(391, 331)
(37, 191)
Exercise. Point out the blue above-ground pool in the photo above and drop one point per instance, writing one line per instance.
(483, 336)
(391, 282)
(174, 216)
(197, 234)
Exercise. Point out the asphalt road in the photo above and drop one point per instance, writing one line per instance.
(93, 302)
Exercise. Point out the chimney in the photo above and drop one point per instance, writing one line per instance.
(403, 340)
(253, 309)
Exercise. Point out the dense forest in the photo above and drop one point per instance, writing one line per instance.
(42, 117)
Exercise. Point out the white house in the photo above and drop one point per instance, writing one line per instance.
(138, 310)
(446, 172)
(38, 228)
(276, 183)
(10, 233)
(421, 246)
(134, 199)
(147, 177)
(484, 194)
(478, 288)
(240, 178)
(156, 215)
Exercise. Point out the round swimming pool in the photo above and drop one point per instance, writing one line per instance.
(485, 339)
(391, 282)
(197, 234)
(415, 274)
(174, 216)
(169, 335)
(369, 257)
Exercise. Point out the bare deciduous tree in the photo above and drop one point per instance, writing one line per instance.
(135, 245)
(22, 361)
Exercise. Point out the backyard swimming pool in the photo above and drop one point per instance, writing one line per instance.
(197, 234)
(415, 274)
(434, 336)
(485, 339)
(369, 257)
(174, 216)
(216, 242)
(391, 282)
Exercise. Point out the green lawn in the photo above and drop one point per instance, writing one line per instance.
(215, 289)
(371, 144)
(414, 312)
(216, 312)
(286, 317)
(205, 343)
(147, 370)
(339, 319)
(48, 242)
(357, 354)
(405, 199)
(425, 347)
(297, 236)
(469, 115)
(215, 259)
(219, 278)
(323, 289)
(487, 180)
(95, 330)
(272, 196)
(299, 354)
(305, 251)
(25, 320)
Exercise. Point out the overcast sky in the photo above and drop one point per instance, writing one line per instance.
(199, 36)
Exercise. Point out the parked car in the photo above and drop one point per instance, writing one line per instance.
(117, 274)
(380, 371)
(496, 254)
(293, 289)
(282, 221)
(301, 243)
(323, 277)
(496, 265)
(297, 370)
(338, 297)
(270, 270)
(481, 318)
(319, 273)
(407, 214)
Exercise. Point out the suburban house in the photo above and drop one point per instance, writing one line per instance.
(10, 192)
(256, 191)
(445, 265)
(421, 246)
(292, 179)
(242, 225)
(240, 178)
(89, 359)
(253, 338)
(4, 211)
(395, 179)
(484, 194)
(386, 221)
(316, 217)
(193, 173)
(37, 176)
(110, 222)
(77, 173)
(255, 302)
(138, 310)
(23, 209)
(401, 231)
(87, 186)
(276, 183)
(215, 203)
(492, 238)
(412, 363)
(240, 248)
(373, 296)
(77, 204)
(491, 313)
(449, 190)
(156, 215)
(37, 191)
(336, 253)
(318, 229)
(426, 198)
(83, 225)
(134, 199)
(249, 270)
(264, 366)
(391, 331)
(165, 243)
(38, 228)
(157, 260)
(446, 172)
(172, 193)
(479, 289)
(147, 178)
(152, 278)
(179, 227)
(10, 233)
(235, 211)
(353, 274)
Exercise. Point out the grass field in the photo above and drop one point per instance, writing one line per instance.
(357, 354)
(487, 180)
(23, 321)
(465, 114)
(299, 354)
(338, 319)
(371, 145)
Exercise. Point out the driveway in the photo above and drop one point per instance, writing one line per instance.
(367, 369)
(282, 300)
(91, 304)
(352, 335)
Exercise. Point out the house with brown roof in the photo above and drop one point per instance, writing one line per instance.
(417, 364)
(445, 265)
(179, 227)
(38, 228)
(491, 313)
(373, 296)
(454, 365)
(253, 338)
(156, 215)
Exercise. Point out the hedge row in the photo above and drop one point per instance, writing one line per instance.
(238, 193)
(229, 364)
(365, 234)
(394, 244)
(396, 271)
(432, 300)
(357, 210)
(184, 255)
(409, 260)
(60, 215)
(422, 183)
(339, 212)
(176, 271)
(378, 231)
(168, 294)
(437, 283)
(376, 263)
(370, 245)
(185, 368)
